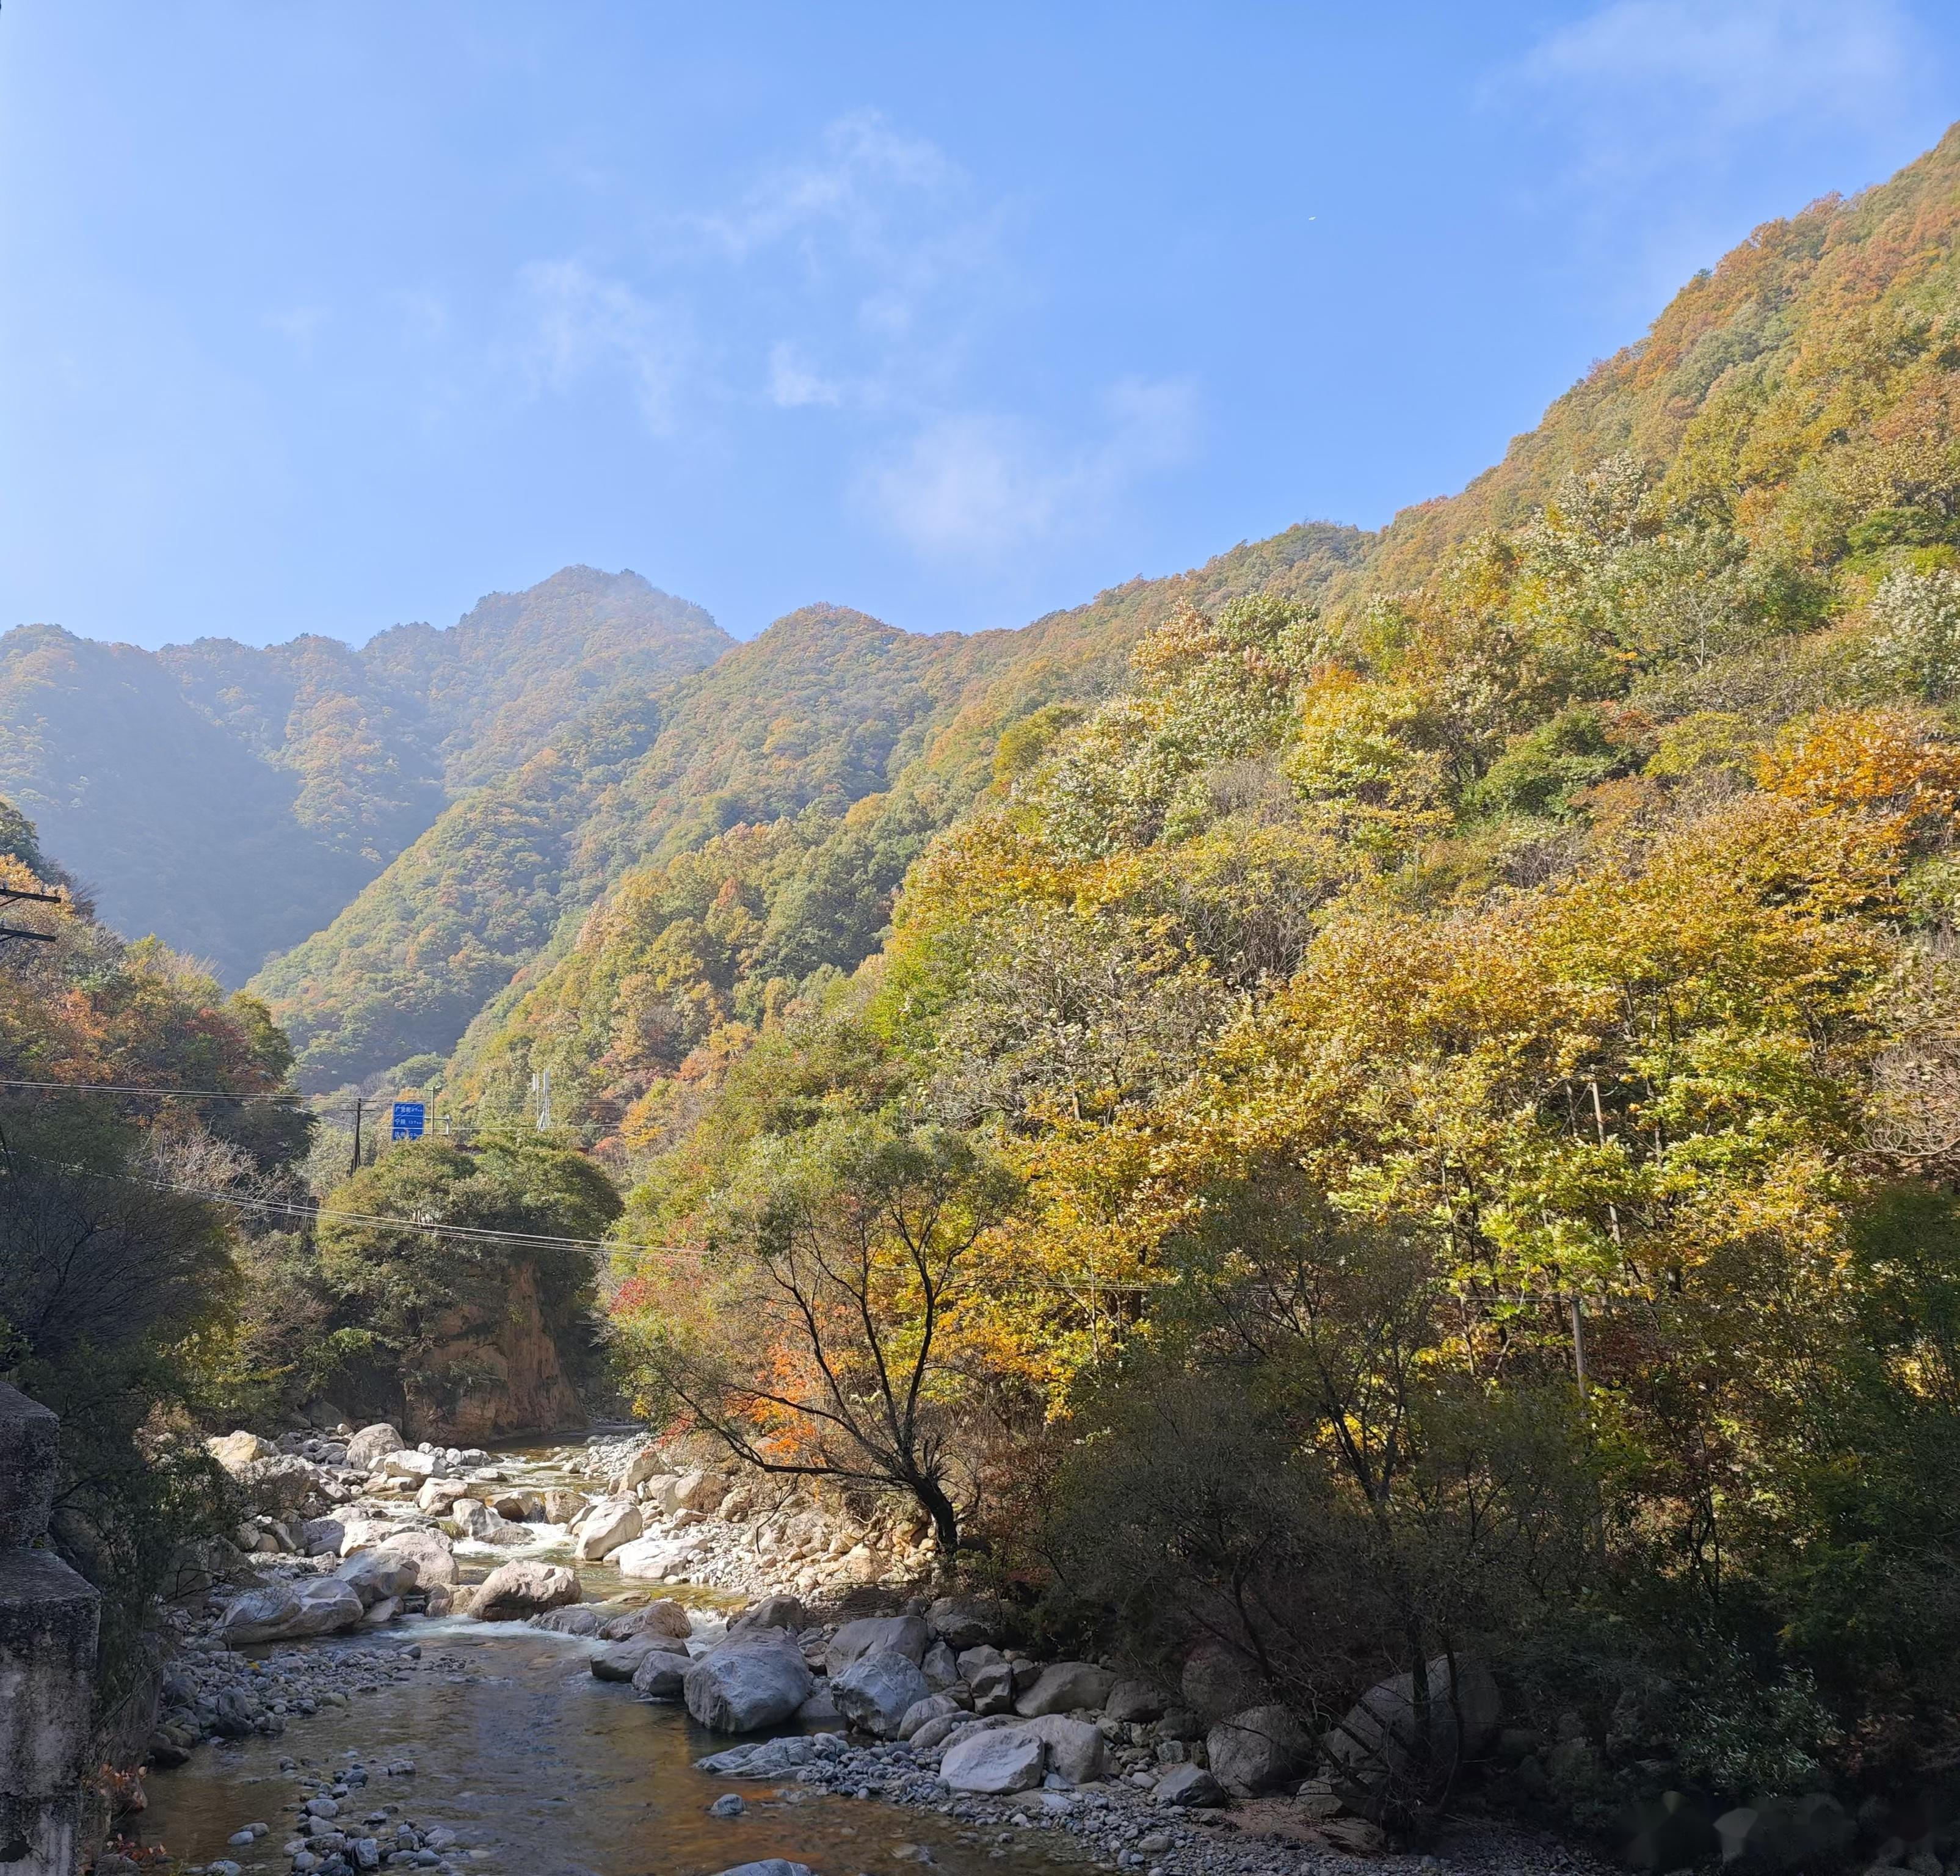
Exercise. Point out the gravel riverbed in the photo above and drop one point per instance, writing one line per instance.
(426, 1689)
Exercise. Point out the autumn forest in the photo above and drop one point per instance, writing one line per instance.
(1395, 1096)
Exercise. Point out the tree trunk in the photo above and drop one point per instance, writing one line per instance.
(1421, 1745)
(939, 1507)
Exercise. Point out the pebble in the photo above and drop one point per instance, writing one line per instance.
(210, 1692)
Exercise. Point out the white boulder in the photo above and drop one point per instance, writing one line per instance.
(235, 1451)
(1075, 1746)
(370, 1444)
(903, 1635)
(748, 1683)
(405, 1464)
(1066, 1687)
(286, 1612)
(378, 1575)
(656, 1557)
(995, 1763)
(513, 1591)
(607, 1526)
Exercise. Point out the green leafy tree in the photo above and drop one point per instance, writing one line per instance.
(398, 1289)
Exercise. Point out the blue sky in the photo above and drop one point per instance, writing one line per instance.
(319, 317)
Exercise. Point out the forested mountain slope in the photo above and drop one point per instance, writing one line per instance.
(1827, 328)
(1778, 434)
(232, 799)
(719, 926)
(826, 708)
(1496, 1033)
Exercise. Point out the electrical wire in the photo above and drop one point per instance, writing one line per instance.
(160, 1093)
(485, 1234)
(287, 1208)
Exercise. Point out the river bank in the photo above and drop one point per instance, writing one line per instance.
(500, 1735)
(505, 1725)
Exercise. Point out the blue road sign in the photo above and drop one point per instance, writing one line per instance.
(408, 1120)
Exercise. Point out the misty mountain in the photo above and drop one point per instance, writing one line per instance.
(233, 798)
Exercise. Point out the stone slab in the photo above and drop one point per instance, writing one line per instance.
(27, 1432)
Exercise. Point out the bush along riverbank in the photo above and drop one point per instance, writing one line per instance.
(835, 1675)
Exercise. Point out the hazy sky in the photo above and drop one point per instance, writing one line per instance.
(318, 316)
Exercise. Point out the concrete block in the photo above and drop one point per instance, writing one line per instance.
(49, 1618)
(27, 1432)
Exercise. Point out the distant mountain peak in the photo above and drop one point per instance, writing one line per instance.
(184, 780)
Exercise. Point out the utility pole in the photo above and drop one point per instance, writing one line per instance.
(354, 1165)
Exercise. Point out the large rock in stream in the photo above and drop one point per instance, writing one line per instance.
(428, 1550)
(513, 1591)
(903, 1635)
(611, 1523)
(995, 1763)
(661, 1676)
(749, 1682)
(620, 1661)
(377, 1575)
(666, 1616)
(770, 1759)
(290, 1612)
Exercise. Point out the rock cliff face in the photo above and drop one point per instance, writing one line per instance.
(490, 1373)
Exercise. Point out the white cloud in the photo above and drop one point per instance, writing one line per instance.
(876, 272)
(888, 256)
(849, 187)
(580, 324)
(976, 488)
(1656, 83)
(301, 325)
(793, 385)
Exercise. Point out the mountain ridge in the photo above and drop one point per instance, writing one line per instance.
(159, 776)
(823, 709)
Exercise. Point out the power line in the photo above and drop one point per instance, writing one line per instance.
(161, 1094)
(287, 1208)
(486, 1234)
(13, 895)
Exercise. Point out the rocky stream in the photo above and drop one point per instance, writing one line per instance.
(580, 1659)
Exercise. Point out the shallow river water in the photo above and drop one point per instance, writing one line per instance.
(544, 1770)
(549, 1771)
